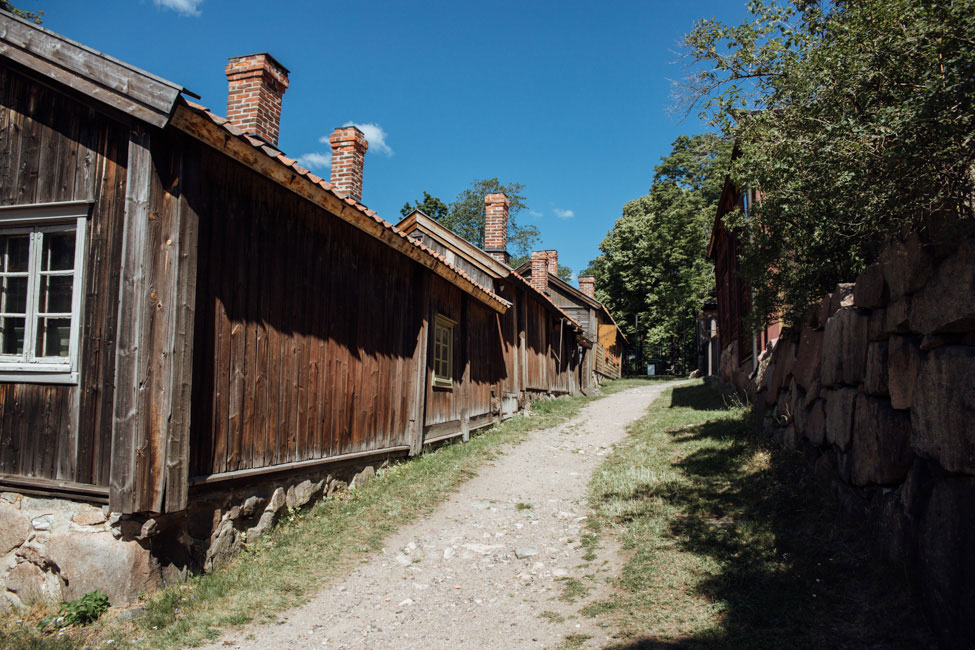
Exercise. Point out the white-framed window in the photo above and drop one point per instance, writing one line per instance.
(42, 251)
(443, 351)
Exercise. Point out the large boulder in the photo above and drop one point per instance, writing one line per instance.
(14, 528)
(881, 443)
(907, 266)
(808, 362)
(946, 304)
(943, 408)
(816, 423)
(88, 561)
(903, 364)
(840, 404)
(780, 367)
(871, 290)
(898, 315)
(875, 377)
(845, 348)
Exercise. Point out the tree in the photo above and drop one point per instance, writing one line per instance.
(34, 16)
(465, 216)
(861, 124)
(430, 206)
(653, 269)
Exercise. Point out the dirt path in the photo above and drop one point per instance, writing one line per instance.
(490, 568)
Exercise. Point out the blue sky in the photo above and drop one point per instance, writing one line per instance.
(569, 98)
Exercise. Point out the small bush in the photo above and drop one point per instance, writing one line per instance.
(84, 610)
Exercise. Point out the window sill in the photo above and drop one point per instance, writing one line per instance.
(443, 384)
(38, 376)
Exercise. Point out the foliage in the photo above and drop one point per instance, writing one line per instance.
(861, 124)
(652, 266)
(34, 16)
(430, 206)
(465, 216)
(81, 611)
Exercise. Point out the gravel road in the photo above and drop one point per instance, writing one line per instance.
(490, 567)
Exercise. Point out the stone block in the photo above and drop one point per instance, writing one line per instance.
(14, 527)
(840, 405)
(816, 423)
(875, 376)
(845, 348)
(89, 561)
(881, 443)
(33, 585)
(89, 517)
(822, 312)
(898, 317)
(812, 394)
(367, 474)
(945, 565)
(809, 358)
(943, 408)
(892, 526)
(842, 296)
(907, 266)
(300, 494)
(877, 325)
(946, 304)
(903, 365)
(779, 369)
(871, 290)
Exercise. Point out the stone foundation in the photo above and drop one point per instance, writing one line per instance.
(56, 549)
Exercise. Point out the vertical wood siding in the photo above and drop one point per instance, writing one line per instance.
(53, 148)
(306, 330)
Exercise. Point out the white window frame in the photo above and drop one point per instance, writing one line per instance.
(37, 219)
(443, 379)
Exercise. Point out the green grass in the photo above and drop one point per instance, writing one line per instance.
(303, 552)
(729, 543)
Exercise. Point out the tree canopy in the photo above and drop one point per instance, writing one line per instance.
(652, 266)
(856, 120)
(33, 16)
(465, 215)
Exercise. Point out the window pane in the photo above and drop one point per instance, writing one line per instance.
(11, 335)
(13, 295)
(58, 252)
(14, 250)
(55, 294)
(53, 336)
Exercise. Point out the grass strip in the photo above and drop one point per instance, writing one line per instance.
(306, 548)
(730, 543)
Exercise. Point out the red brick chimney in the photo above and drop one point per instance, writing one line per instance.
(553, 262)
(587, 285)
(255, 86)
(349, 147)
(496, 226)
(539, 277)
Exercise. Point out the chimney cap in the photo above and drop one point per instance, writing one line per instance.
(266, 55)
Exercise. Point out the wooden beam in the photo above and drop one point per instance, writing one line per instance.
(203, 129)
(181, 343)
(420, 378)
(129, 446)
(97, 75)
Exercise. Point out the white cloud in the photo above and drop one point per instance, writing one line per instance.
(535, 213)
(183, 7)
(315, 160)
(374, 135)
(563, 214)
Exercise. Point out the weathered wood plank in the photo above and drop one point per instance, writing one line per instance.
(129, 444)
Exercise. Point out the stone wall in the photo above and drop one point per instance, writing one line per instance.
(57, 549)
(878, 390)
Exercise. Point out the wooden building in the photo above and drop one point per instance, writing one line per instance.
(740, 346)
(544, 348)
(605, 360)
(183, 305)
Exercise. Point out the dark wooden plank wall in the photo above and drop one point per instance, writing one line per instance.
(306, 329)
(54, 147)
